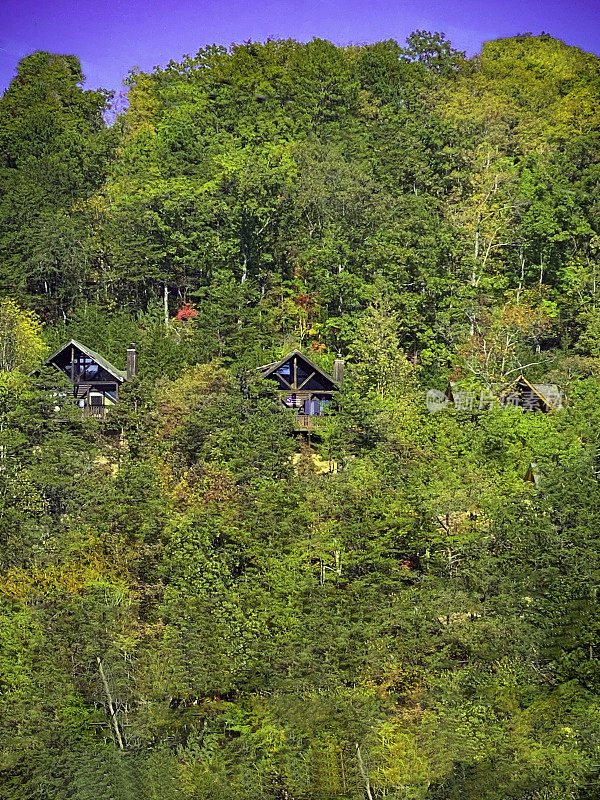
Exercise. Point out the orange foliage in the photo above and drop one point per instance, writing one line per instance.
(186, 313)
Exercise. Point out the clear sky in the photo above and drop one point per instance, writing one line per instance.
(112, 36)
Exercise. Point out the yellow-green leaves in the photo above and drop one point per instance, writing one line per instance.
(21, 344)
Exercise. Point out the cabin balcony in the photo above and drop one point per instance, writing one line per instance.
(98, 412)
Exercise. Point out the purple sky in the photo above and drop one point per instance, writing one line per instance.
(111, 36)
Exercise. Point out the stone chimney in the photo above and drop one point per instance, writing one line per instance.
(338, 369)
(132, 362)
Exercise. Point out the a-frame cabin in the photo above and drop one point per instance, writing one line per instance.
(95, 380)
(304, 387)
(543, 397)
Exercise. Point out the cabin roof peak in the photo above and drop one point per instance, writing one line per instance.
(549, 394)
(269, 369)
(540, 389)
(119, 374)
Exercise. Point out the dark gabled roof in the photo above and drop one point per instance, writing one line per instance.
(119, 374)
(545, 391)
(450, 390)
(269, 369)
(533, 474)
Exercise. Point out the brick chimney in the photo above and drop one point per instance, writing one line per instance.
(132, 362)
(338, 369)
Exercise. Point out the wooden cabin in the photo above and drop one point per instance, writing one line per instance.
(533, 474)
(543, 397)
(520, 393)
(96, 382)
(450, 389)
(304, 387)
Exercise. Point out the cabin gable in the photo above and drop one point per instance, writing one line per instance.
(95, 380)
(543, 397)
(302, 386)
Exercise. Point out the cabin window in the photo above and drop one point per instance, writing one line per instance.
(85, 369)
(90, 372)
(318, 383)
(315, 407)
(303, 373)
(96, 400)
(285, 370)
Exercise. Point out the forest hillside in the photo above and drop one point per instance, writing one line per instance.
(196, 601)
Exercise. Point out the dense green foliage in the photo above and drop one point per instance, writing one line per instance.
(193, 606)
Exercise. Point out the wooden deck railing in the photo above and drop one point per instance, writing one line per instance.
(98, 412)
(306, 422)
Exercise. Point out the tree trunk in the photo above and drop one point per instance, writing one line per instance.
(166, 304)
(364, 772)
(111, 705)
